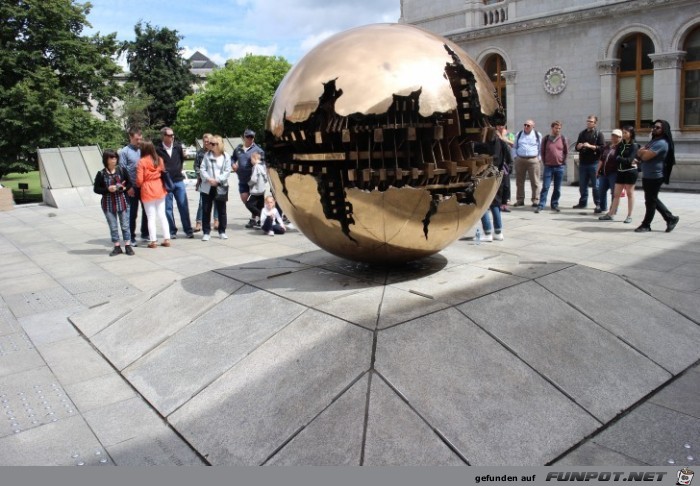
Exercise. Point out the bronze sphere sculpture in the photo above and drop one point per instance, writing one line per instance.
(370, 143)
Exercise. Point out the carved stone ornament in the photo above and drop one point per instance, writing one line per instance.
(554, 80)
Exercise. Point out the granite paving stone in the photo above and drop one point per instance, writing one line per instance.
(99, 391)
(31, 399)
(422, 358)
(314, 286)
(127, 339)
(459, 284)
(74, 360)
(17, 354)
(199, 353)
(35, 302)
(52, 326)
(603, 374)
(397, 436)
(255, 407)
(654, 434)
(648, 325)
(156, 448)
(8, 322)
(334, 438)
(68, 442)
(93, 320)
(11, 287)
(591, 454)
(683, 395)
(681, 301)
(254, 271)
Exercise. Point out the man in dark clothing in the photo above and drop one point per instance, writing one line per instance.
(590, 144)
(173, 156)
(243, 167)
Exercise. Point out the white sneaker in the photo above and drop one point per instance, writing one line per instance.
(488, 237)
(223, 236)
(498, 236)
(270, 233)
(205, 237)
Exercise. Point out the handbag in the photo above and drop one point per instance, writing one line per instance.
(219, 192)
(167, 181)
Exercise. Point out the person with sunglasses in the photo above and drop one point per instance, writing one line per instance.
(244, 168)
(590, 144)
(197, 167)
(657, 159)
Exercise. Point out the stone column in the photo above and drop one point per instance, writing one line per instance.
(608, 70)
(509, 76)
(473, 16)
(668, 69)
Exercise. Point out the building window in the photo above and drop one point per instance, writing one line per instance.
(494, 66)
(691, 82)
(635, 82)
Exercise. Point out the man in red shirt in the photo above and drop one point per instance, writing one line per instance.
(555, 150)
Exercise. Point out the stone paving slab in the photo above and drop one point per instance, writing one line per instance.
(255, 407)
(654, 435)
(32, 399)
(74, 360)
(591, 454)
(648, 325)
(461, 283)
(18, 354)
(8, 322)
(151, 323)
(157, 448)
(334, 438)
(99, 391)
(49, 327)
(463, 382)
(683, 396)
(396, 436)
(683, 302)
(601, 373)
(93, 320)
(35, 302)
(68, 442)
(252, 272)
(198, 354)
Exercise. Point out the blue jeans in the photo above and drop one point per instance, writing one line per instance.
(116, 220)
(180, 195)
(556, 174)
(606, 183)
(497, 223)
(586, 178)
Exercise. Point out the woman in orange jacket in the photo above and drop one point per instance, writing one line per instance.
(148, 178)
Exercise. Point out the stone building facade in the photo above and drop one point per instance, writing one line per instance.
(626, 61)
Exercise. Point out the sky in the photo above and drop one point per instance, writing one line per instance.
(229, 29)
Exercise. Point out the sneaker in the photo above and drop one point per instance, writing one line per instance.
(672, 224)
(270, 233)
(117, 250)
(251, 223)
(488, 237)
(498, 236)
(519, 204)
(223, 236)
(190, 235)
(165, 243)
(556, 210)
(628, 220)
(579, 206)
(129, 251)
(205, 237)
(285, 219)
(257, 224)
(153, 244)
(642, 229)
(538, 210)
(173, 237)
(597, 210)
(134, 244)
(606, 217)
(535, 205)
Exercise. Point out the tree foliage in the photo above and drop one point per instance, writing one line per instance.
(234, 98)
(158, 69)
(50, 74)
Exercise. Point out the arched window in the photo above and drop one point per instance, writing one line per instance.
(690, 103)
(493, 67)
(635, 82)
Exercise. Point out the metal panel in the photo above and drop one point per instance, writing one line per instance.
(93, 160)
(75, 166)
(51, 164)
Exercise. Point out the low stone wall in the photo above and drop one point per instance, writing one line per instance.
(7, 202)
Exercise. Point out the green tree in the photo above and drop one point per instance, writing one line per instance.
(49, 73)
(235, 97)
(159, 70)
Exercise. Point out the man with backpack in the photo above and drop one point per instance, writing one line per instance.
(590, 144)
(527, 163)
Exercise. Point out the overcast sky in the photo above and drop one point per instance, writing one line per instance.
(228, 29)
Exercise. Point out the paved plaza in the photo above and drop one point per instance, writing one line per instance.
(573, 342)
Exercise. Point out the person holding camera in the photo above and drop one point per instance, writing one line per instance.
(112, 182)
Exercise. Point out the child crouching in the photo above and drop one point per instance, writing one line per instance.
(272, 222)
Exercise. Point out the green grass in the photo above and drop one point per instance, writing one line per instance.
(33, 194)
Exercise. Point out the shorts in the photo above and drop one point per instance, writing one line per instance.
(627, 177)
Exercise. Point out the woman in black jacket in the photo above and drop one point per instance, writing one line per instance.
(112, 182)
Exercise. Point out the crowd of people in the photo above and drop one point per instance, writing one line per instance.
(610, 169)
(150, 175)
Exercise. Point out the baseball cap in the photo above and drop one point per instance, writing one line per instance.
(249, 133)
(617, 132)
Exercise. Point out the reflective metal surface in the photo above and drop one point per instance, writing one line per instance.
(370, 143)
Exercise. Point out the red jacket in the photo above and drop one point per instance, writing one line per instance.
(148, 179)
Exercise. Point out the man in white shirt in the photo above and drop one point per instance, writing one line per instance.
(527, 163)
